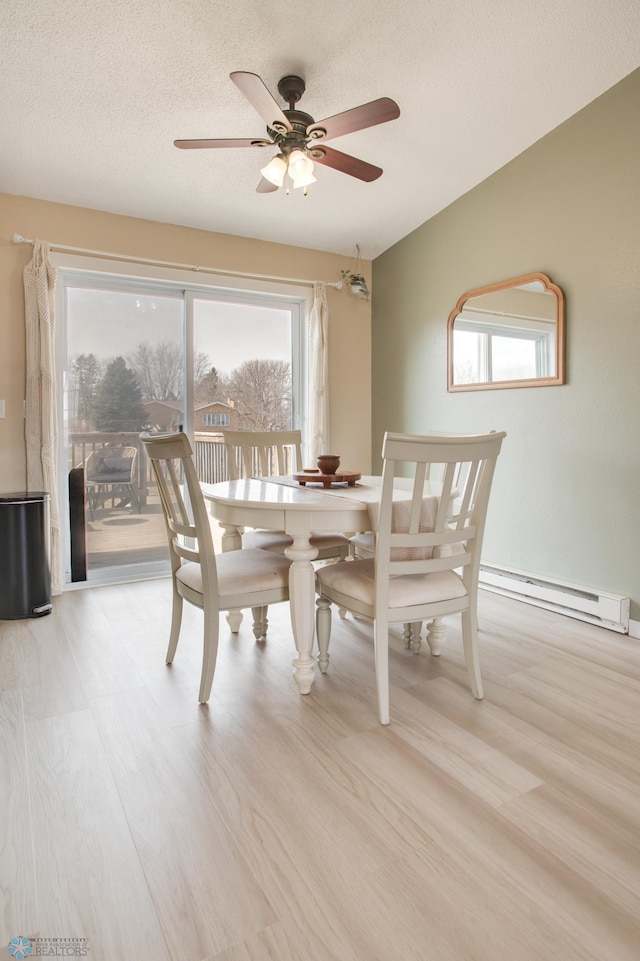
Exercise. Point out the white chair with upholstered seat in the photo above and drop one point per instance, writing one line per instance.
(267, 454)
(362, 545)
(231, 581)
(427, 555)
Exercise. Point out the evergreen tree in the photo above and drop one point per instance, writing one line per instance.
(118, 402)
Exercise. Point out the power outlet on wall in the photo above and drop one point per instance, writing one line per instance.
(1, 408)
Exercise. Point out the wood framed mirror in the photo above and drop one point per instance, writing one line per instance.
(509, 334)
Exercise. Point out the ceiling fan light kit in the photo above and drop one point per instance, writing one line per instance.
(296, 134)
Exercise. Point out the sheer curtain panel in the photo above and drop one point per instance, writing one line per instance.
(319, 440)
(41, 419)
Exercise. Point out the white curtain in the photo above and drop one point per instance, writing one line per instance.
(319, 438)
(41, 420)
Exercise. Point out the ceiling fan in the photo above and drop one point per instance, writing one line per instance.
(298, 136)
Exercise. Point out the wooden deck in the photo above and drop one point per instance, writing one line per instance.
(117, 536)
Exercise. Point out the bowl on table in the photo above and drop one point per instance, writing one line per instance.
(328, 463)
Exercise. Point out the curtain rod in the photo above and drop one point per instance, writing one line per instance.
(19, 239)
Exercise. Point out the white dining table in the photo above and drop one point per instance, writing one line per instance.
(280, 503)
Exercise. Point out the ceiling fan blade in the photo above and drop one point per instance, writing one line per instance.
(252, 86)
(265, 186)
(197, 144)
(346, 163)
(367, 115)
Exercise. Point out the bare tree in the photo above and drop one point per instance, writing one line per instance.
(261, 391)
(159, 369)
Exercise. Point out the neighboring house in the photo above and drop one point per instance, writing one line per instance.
(167, 415)
(211, 417)
(164, 415)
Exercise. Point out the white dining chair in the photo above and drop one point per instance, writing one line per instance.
(231, 581)
(362, 545)
(427, 551)
(267, 454)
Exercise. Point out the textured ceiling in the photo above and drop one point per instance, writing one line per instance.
(92, 96)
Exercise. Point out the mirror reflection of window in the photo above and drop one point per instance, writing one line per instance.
(509, 334)
(514, 359)
(482, 352)
(469, 356)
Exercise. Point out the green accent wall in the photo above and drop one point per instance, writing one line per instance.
(566, 496)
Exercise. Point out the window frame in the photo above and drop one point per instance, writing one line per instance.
(215, 420)
(90, 273)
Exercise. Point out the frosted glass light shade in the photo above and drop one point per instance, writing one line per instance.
(275, 170)
(301, 169)
(303, 180)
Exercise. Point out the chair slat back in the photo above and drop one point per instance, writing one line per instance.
(263, 453)
(425, 536)
(183, 504)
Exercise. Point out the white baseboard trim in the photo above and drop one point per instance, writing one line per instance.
(634, 629)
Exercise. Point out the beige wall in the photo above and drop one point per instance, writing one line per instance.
(566, 500)
(350, 318)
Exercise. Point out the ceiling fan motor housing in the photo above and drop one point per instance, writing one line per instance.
(293, 139)
(291, 89)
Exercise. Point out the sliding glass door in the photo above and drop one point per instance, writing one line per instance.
(139, 356)
(124, 372)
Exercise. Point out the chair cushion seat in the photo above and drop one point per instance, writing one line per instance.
(249, 571)
(110, 477)
(357, 579)
(118, 464)
(363, 542)
(278, 540)
(266, 540)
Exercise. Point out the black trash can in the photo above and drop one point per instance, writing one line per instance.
(25, 574)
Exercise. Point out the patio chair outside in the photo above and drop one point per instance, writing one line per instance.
(111, 472)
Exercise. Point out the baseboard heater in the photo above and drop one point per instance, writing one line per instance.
(606, 610)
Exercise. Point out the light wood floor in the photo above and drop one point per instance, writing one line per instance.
(274, 827)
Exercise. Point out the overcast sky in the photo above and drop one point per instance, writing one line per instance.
(111, 324)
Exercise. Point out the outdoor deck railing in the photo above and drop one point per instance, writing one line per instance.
(210, 456)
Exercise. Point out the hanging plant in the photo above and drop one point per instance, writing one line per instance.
(355, 278)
